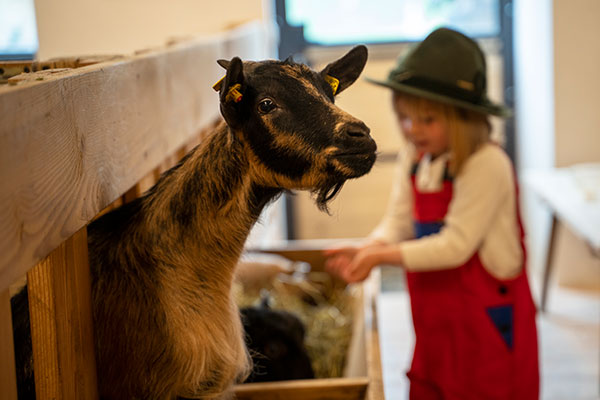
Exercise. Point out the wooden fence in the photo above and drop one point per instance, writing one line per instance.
(78, 135)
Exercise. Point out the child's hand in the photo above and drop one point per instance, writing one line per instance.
(338, 259)
(361, 265)
(355, 264)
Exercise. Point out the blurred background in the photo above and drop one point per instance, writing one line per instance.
(543, 59)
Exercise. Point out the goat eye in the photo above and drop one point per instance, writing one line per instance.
(266, 106)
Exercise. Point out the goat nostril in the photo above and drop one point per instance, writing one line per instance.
(356, 134)
(358, 131)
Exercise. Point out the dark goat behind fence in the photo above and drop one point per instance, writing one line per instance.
(275, 339)
(162, 266)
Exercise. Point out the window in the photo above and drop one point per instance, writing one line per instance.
(18, 33)
(339, 22)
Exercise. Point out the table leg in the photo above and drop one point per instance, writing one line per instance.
(549, 263)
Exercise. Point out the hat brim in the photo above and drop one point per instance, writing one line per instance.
(486, 107)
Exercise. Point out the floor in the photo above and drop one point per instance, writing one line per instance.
(569, 335)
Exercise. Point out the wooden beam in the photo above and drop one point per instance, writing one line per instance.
(73, 140)
(313, 389)
(8, 379)
(309, 250)
(371, 288)
(61, 323)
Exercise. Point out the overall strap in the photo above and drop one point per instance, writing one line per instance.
(430, 208)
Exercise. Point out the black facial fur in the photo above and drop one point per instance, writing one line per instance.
(298, 120)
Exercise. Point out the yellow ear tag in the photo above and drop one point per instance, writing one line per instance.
(333, 82)
(233, 93)
(217, 86)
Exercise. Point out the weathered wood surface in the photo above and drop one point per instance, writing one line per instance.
(371, 286)
(310, 389)
(309, 250)
(76, 140)
(61, 323)
(10, 69)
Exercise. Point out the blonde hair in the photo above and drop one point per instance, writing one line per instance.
(467, 130)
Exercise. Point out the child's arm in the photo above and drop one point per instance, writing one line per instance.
(482, 204)
(356, 266)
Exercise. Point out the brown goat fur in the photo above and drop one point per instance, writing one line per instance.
(162, 266)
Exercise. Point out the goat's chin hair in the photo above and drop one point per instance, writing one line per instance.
(326, 193)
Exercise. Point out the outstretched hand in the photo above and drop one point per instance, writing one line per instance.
(339, 259)
(354, 264)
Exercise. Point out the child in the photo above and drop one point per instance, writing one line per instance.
(453, 224)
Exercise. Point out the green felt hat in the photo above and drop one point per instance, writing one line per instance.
(448, 67)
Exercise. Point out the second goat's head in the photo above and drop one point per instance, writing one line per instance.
(284, 113)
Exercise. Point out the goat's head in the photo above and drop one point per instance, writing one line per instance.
(284, 113)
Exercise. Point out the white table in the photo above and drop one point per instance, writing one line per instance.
(573, 197)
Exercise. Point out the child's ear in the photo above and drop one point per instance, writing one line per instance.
(346, 70)
(231, 89)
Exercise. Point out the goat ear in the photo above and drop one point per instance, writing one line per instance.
(231, 91)
(347, 69)
(232, 87)
(223, 63)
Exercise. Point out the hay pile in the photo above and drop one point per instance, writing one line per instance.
(323, 305)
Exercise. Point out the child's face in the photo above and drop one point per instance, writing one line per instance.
(424, 126)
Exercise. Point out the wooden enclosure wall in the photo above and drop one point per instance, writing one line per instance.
(73, 141)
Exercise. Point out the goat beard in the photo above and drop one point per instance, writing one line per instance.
(326, 193)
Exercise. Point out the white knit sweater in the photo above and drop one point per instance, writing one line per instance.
(482, 215)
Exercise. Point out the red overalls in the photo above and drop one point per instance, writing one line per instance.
(475, 334)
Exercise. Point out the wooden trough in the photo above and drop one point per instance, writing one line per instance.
(362, 373)
(79, 136)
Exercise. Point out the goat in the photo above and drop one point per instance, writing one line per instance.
(162, 266)
(276, 342)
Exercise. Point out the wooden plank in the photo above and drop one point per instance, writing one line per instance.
(132, 193)
(8, 69)
(61, 323)
(8, 378)
(356, 360)
(73, 142)
(310, 389)
(146, 182)
(373, 352)
(42, 313)
(309, 251)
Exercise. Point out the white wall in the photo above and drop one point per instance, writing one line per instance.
(577, 81)
(577, 120)
(557, 120)
(78, 27)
